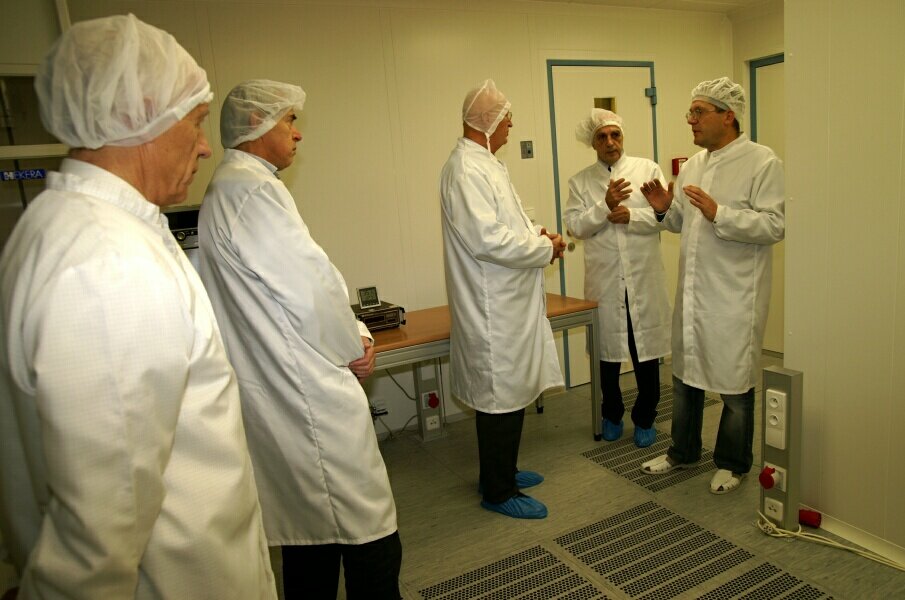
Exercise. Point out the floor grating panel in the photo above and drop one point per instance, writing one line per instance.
(624, 459)
(646, 552)
(534, 573)
(651, 553)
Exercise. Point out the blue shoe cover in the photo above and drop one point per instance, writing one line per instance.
(611, 431)
(645, 437)
(523, 479)
(518, 507)
(526, 479)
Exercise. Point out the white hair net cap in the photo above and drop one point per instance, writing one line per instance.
(484, 107)
(117, 81)
(598, 118)
(253, 107)
(723, 94)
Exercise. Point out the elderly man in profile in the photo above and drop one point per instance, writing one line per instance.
(299, 354)
(728, 203)
(125, 471)
(502, 353)
(623, 270)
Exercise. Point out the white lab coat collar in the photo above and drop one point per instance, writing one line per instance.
(270, 167)
(615, 165)
(728, 148)
(85, 178)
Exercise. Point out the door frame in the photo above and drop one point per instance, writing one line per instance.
(753, 66)
(650, 92)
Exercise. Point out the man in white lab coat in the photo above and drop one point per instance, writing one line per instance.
(502, 353)
(623, 270)
(125, 472)
(299, 354)
(728, 203)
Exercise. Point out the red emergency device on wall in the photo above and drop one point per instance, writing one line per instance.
(677, 164)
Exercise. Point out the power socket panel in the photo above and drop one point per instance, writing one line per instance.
(773, 509)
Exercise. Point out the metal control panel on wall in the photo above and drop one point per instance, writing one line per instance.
(527, 149)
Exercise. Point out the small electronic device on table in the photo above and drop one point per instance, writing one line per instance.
(375, 313)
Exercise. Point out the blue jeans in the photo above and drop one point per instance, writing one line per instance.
(735, 439)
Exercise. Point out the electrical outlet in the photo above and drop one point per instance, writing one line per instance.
(773, 508)
(779, 476)
(430, 400)
(432, 422)
(775, 427)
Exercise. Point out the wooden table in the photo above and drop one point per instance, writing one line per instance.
(425, 338)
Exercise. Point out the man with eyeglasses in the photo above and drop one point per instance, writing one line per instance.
(728, 204)
(502, 353)
(623, 270)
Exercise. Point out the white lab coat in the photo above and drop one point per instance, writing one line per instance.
(723, 292)
(125, 467)
(502, 353)
(290, 333)
(620, 258)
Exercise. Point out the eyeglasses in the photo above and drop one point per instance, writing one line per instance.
(509, 116)
(696, 113)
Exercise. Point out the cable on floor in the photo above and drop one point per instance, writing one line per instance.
(769, 528)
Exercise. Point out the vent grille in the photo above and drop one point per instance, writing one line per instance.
(651, 553)
(534, 573)
(624, 459)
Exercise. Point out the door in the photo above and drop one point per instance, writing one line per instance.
(767, 128)
(575, 88)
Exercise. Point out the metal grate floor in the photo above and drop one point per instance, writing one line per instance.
(664, 407)
(624, 459)
(533, 574)
(651, 553)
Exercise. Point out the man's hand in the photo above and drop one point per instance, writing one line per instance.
(658, 197)
(364, 366)
(702, 201)
(619, 215)
(616, 192)
(559, 246)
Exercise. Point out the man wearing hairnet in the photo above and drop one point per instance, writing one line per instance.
(126, 472)
(502, 353)
(728, 204)
(299, 354)
(623, 270)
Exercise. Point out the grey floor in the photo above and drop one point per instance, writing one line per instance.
(452, 548)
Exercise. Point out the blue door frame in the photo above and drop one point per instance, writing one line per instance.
(650, 92)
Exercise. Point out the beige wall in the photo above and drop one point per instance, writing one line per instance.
(845, 260)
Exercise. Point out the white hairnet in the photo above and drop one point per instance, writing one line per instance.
(484, 107)
(117, 81)
(253, 107)
(723, 94)
(598, 118)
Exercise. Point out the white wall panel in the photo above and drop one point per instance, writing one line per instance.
(844, 258)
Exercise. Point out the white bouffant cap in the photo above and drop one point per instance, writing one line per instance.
(598, 118)
(722, 93)
(253, 107)
(117, 81)
(484, 107)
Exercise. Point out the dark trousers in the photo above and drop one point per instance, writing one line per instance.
(499, 436)
(371, 570)
(647, 376)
